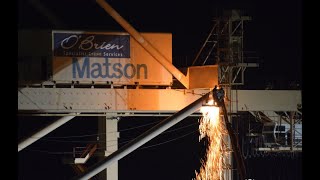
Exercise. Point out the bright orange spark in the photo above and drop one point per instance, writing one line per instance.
(212, 128)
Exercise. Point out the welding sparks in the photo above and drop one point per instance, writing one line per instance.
(212, 128)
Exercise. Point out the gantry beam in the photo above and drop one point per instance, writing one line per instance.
(67, 100)
(265, 100)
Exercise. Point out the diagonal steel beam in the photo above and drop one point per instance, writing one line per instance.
(28, 141)
(144, 138)
(145, 44)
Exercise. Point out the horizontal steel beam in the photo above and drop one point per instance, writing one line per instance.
(71, 99)
(66, 100)
(280, 149)
(104, 113)
(265, 100)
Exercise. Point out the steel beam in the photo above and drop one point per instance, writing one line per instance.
(292, 130)
(265, 100)
(106, 100)
(145, 44)
(25, 143)
(67, 100)
(112, 136)
(280, 149)
(144, 138)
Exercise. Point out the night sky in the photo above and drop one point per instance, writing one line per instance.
(274, 34)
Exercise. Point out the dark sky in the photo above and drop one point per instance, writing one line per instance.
(177, 159)
(274, 34)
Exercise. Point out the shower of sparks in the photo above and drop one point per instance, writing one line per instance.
(211, 127)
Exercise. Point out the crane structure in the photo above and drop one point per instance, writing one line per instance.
(109, 75)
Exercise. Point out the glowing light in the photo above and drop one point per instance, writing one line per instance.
(212, 128)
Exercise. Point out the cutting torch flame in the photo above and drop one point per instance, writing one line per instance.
(212, 128)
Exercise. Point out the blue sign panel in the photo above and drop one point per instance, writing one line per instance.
(91, 45)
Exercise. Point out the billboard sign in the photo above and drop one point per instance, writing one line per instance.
(113, 57)
(91, 45)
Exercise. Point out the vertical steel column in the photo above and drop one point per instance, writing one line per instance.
(145, 137)
(44, 132)
(108, 134)
(291, 129)
(112, 136)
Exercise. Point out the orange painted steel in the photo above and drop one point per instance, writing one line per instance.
(145, 44)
